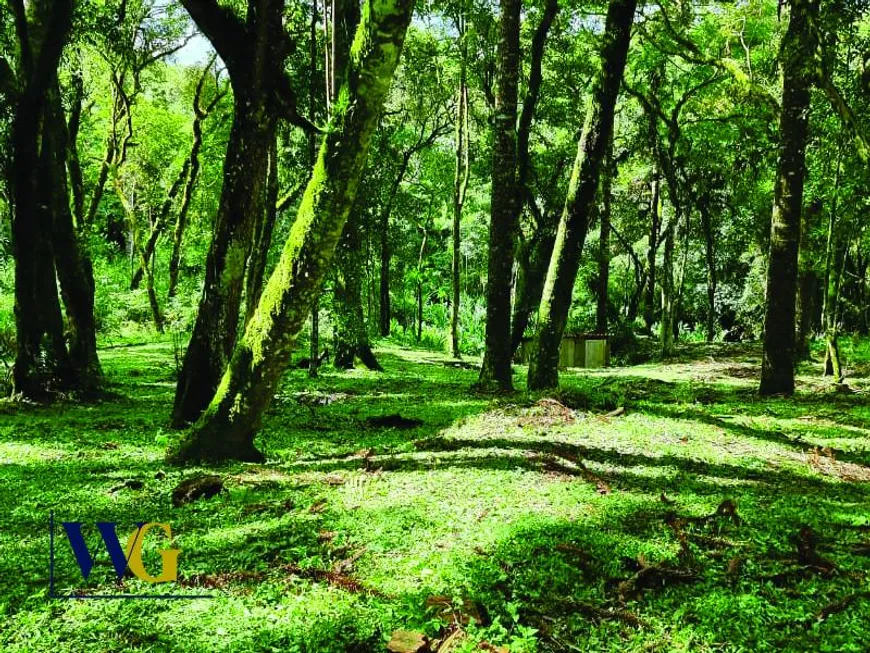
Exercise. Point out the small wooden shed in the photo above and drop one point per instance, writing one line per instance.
(588, 350)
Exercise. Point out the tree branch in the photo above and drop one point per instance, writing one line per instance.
(226, 32)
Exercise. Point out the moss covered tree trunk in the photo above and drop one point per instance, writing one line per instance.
(227, 428)
(582, 189)
(533, 255)
(351, 333)
(254, 52)
(798, 55)
(505, 201)
(261, 242)
(534, 259)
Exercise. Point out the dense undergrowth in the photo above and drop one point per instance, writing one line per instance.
(656, 507)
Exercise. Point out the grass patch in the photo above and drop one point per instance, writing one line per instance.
(581, 520)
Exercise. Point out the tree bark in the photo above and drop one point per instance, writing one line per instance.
(710, 257)
(597, 131)
(227, 428)
(314, 340)
(192, 166)
(534, 258)
(666, 329)
(74, 267)
(798, 54)
(649, 304)
(262, 240)
(533, 255)
(505, 205)
(808, 282)
(460, 183)
(42, 32)
(351, 333)
(254, 53)
(604, 242)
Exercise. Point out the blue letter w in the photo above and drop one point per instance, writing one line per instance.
(84, 557)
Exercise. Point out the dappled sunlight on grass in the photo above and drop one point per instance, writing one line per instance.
(540, 508)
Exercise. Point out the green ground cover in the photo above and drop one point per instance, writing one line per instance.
(654, 507)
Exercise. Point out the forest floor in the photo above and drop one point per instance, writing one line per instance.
(660, 507)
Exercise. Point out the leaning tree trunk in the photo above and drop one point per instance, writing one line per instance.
(227, 428)
(254, 52)
(243, 199)
(798, 50)
(582, 190)
(532, 274)
(533, 255)
(505, 202)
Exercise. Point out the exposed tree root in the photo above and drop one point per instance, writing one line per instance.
(838, 606)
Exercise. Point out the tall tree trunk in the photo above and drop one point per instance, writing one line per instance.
(835, 257)
(534, 259)
(200, 113)
(808, 282)
(597, 131)
(649, 304)
(352, 340)
(798, 50)
(255, 68)
(43, 31)
(314, 340)
(666, 327)
(710, 257)
(227, 428)
(460, 183)
(505, 205)
(74, 268)
(604, 242)
(533, 255)
(243, 198)
(261, 242)
(351, 333)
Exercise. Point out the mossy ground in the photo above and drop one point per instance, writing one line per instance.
(532, 512)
